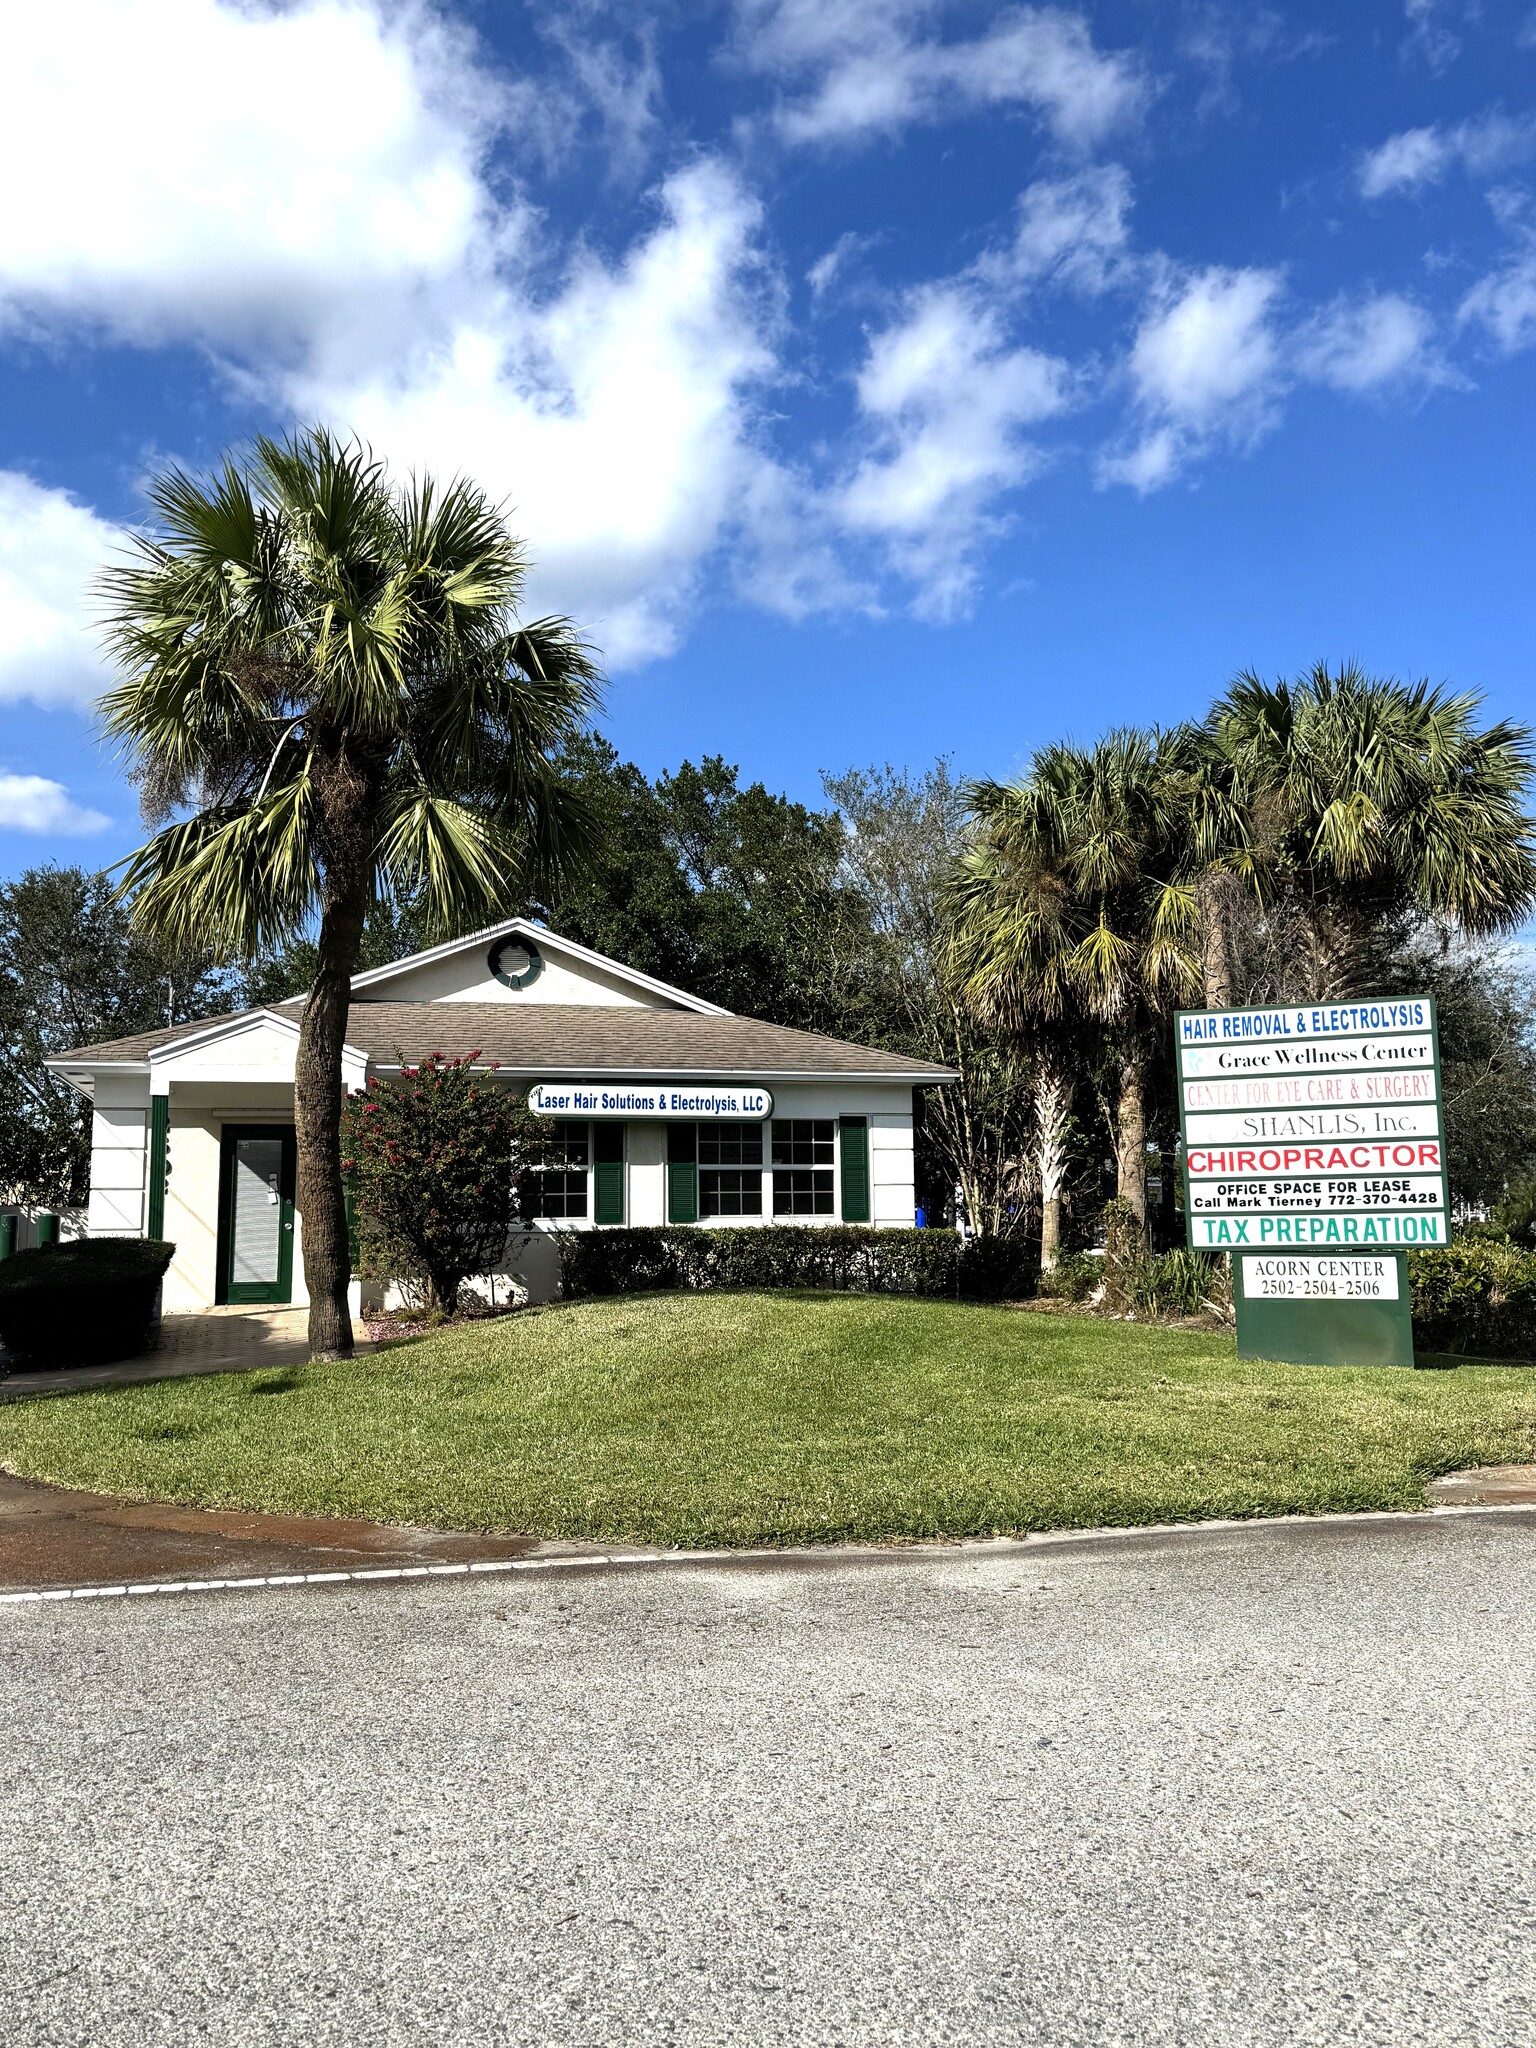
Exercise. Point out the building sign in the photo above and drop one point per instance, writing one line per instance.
(1273, 1278)
(685, 1101)
(1317, 1126)
(1314, 1151)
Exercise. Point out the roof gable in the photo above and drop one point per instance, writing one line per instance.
(461, 970)
(255, 1045)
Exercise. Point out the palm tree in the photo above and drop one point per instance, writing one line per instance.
(1359, 802)
(1070, 903)
(326, 699)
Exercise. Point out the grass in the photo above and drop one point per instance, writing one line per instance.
(755, 1418)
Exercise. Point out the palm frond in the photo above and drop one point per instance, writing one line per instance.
(452, 859)
(230, 880)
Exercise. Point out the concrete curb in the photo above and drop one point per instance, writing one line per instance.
(824, 1557)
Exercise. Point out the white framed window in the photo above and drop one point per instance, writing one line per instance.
(560, 1188)
(804, 1150)
(730, 1171)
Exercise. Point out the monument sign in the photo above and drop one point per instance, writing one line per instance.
(1314, 1152)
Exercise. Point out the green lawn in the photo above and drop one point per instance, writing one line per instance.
(784, 1419)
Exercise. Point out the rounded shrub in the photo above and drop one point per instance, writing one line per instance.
(82, 1302)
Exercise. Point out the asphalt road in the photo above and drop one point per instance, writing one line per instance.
(1268, 1787)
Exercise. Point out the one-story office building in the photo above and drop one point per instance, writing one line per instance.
(665, 1108)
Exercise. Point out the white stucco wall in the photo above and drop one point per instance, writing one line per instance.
(192, 1207)
(467, 978)
(261, 1051)
(892, 1195)
(645, 1202)
(888, 1108)
(119, 1148)
(199, 1109)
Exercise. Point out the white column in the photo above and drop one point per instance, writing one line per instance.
(647, 1203)
(119, 1144)
(891, 1193)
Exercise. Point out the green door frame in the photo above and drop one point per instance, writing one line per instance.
(281, 1289)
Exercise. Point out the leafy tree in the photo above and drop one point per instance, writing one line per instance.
(1356, 808)
(902, 836)
(732, 893)
(326, 699)
(430, 1160)
(73, 971)
(1071, 906)
(1486, 1008)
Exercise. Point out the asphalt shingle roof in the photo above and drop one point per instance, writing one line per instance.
(570, 1038)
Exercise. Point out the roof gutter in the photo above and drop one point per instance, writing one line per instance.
(588, 1069)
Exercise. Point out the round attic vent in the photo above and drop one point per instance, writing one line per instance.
(515, 962)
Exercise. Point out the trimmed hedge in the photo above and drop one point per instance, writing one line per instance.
(847, 1258)
(83, 1302)
(1478, 1296)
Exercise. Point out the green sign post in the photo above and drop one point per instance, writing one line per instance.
(1314, 1152)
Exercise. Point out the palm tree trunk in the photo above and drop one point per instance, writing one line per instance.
(1131, 1141)
(1338, 946)
(345, 836)
(1053, 1111)
(1216, 938)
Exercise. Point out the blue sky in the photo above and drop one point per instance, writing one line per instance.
(872, 379)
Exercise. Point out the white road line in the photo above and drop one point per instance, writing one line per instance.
(829, 1554)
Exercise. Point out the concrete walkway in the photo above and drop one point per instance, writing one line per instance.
(216, 1340)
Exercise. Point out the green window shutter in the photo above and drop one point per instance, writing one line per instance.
(159, 1135)
(682, 1173)
(607, 1173)
(853, 1135)
(352, 1233)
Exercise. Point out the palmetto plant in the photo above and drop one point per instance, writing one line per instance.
(1355, 800)
(326, 697)
(1072, 902)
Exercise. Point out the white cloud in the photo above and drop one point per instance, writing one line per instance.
(1071, 230)
(31, 803)
(1205, 367)
(947, 395)
(615, 415)
(324, 223)
(1422, 156)
(239, 175)
(1504, 302)
(622, 91)
(1209, 348)
(51, 547)
(863, 68)
(947, 400)
(1213, 360)
(1361, 345)
(330, 228)
(830, 265)
(1429, 39)
(1416, 157)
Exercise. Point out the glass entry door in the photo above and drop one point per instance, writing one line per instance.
(256, 1213)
